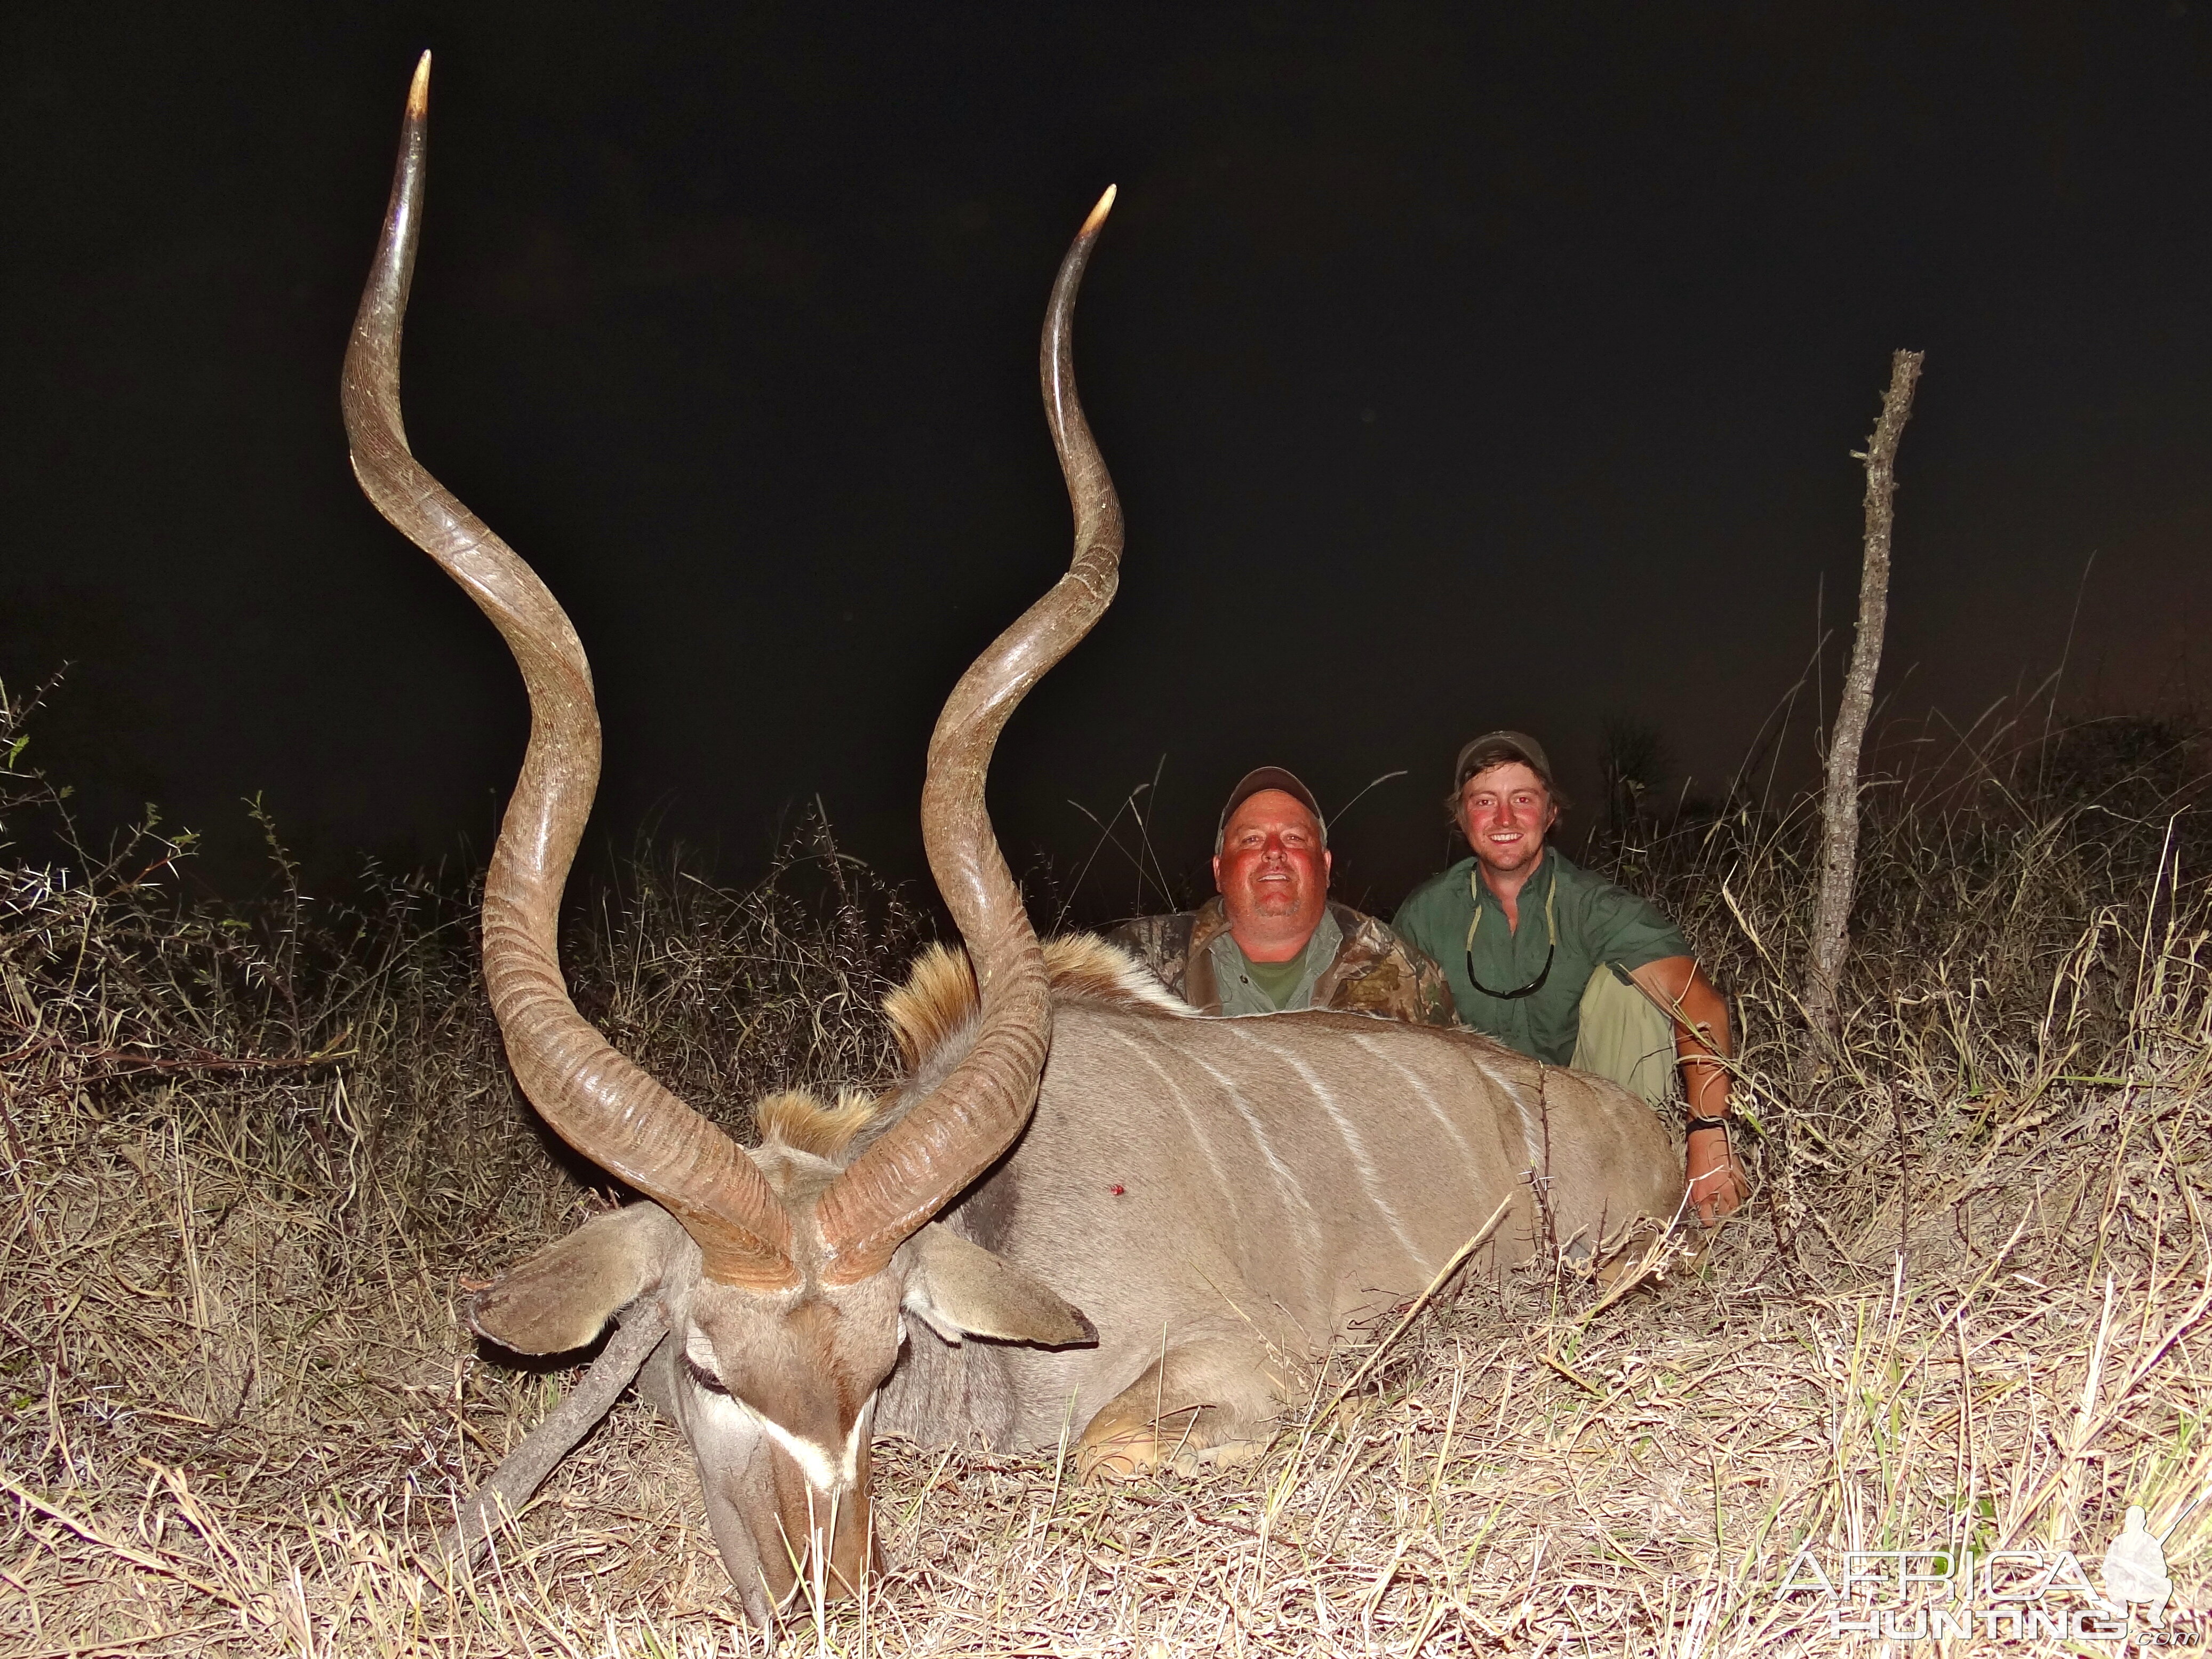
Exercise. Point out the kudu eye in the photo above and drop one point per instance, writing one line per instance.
(705, 1378)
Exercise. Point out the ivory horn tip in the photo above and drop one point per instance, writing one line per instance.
(1098, 213)
(418, 92)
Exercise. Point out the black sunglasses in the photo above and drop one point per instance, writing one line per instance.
(1551, 925)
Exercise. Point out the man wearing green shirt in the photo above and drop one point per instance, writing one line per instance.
(1272, 940)
(1541, 955)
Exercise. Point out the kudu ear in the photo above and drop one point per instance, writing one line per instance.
(958, 1289)
(562, 1296)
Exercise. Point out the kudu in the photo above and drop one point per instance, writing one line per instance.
(1217, 1197)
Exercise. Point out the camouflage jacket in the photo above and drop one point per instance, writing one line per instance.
(1373, 971)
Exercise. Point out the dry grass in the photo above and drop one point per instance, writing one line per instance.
(250, 1155)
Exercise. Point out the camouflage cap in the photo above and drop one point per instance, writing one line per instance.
(1495, 748)
(1268, 777)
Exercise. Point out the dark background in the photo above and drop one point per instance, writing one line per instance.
(1460, 367)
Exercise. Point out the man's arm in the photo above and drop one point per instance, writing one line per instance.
(1378, 971)
(1430, 999)
(1438, 1007)
(1418, 928)
(1716, 1180)
(1412, 924)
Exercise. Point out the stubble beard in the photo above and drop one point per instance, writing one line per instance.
(1276, 900)
(1514, 859)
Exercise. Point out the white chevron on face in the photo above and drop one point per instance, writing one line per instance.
(826, 1471)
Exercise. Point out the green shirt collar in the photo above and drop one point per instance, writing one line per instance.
(1243, 992)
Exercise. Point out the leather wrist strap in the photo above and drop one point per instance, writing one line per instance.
(1698, 1123)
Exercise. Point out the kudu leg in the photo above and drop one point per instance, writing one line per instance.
(643, 1325)
(1211, 1400)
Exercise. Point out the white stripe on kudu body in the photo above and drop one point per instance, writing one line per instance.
(1371, 1178)
(1147, 1054)
(1419, 1090)
(1287, 1185)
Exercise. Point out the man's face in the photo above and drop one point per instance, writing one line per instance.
(1505, 812)
(1272, 870)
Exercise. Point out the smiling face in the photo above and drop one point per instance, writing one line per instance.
(1505, 812)
(1273, 872)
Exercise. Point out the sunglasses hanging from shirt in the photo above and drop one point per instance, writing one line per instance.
(1550, 926)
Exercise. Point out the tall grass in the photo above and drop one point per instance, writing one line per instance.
(252, 1151)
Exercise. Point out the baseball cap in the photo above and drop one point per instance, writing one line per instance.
(1268, 777)
(1494, 748)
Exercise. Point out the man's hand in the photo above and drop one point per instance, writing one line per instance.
(1716, 1184)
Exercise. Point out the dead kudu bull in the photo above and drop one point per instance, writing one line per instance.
(1083, 1204)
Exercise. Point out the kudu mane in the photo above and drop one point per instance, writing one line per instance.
(933, 1019)
(803, 1122)
(938, 999)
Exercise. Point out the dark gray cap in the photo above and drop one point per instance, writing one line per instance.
(1495, 749)
(1268, 777)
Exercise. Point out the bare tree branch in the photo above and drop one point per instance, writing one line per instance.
(1840, 807)
(527, 1467)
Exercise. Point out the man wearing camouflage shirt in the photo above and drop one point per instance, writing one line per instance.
(1270, 941)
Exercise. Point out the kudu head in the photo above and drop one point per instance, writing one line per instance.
(783, 1273)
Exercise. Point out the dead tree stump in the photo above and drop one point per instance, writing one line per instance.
(1840, 802)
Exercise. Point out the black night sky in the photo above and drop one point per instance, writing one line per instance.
(1460, 365)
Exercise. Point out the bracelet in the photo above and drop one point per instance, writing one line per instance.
(1697, 1123)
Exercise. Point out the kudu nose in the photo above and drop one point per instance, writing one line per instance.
(804, 1571)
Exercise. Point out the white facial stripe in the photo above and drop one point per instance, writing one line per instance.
(822, 1473)
(814, 1461)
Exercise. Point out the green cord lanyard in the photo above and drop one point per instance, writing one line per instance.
(1550, 926)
